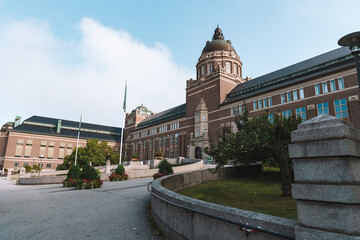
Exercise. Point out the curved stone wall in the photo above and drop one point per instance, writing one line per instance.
(179, 223)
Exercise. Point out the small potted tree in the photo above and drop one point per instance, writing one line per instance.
(158, 155)
(135, 157)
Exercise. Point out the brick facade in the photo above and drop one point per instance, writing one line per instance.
(323, 84)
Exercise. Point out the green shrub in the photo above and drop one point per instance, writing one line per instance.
(27, 169)
(74, 172)
(36, 168)
(89, 172)
(165, 167)
(120, 170)
(62, 167)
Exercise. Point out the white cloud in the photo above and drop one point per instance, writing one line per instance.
(43, 75)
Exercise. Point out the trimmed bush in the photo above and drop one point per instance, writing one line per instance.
(89, 172)
(74, 172)
(120, 170)
(117, 177)
(159, 175)
(165, 167)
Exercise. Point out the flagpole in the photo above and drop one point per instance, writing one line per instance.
(77, 142)
(122, 129)
(121, 141)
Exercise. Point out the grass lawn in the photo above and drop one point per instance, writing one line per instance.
(261, 193)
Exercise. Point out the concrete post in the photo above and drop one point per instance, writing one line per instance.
(8, 177)
(326, 158)
(22, 172)
(107, 166)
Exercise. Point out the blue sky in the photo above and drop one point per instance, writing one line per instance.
(67, 57)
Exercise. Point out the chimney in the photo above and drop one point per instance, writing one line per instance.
(58, 126)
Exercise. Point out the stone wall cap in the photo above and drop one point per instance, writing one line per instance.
(323, 120)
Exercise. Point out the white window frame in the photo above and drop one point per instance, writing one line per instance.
(324, 87)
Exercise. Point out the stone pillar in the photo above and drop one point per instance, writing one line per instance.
(107, 166)
(8, 177)
(326, 158)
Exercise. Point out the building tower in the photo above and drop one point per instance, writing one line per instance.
(218, 71)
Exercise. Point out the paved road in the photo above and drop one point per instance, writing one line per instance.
(118, 210)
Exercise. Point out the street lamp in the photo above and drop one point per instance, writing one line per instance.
(41, 156)
(352, 41)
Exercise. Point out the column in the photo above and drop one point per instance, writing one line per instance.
(326, 157)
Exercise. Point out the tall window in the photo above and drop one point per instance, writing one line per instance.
(228, 67)
(332, 85)
(301, 112)
(283, 100)
(341, 110)
(341, 83)
(317, 89)
(271, 118)
(288, 96)
(235, 69)
(172, 139)
(265, 103)
(270, 101)
(295, 95)
(164, 141)
(202, 70)
(210, 68)
(286, 114)
(240, 109)
(323, 108)
(324, 87)
(255, 105)
(301, 93)
(260, 104)
(197, 132)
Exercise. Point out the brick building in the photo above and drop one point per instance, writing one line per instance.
(46, 141)
(323, 84)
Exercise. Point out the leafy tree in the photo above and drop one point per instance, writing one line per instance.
(94, 152)
(27, 169)
(258, 139)
(36, 168)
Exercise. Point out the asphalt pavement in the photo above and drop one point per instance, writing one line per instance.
(117, 210)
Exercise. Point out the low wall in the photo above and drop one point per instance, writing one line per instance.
(134, 171)
(179, 223)
(41, 180)
(45, 173)
(194, 164)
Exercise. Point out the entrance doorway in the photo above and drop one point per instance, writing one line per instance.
(198, 153)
